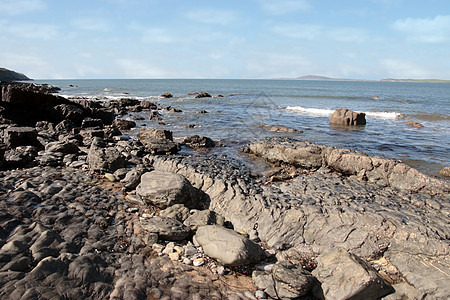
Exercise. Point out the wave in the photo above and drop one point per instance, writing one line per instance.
(328, 112)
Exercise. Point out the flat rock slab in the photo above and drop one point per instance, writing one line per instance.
(227, 246)
(345, 276)
(166, 228)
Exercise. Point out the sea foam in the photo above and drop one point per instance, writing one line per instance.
(328, 112)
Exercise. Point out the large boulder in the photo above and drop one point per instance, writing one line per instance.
(343, 116)
(21, 136)
(104, 159)
(69, 112)
(345, 276)
(165, 189)
(158, 141)
(228, 246)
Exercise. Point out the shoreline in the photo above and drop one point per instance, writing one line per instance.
(314, 208)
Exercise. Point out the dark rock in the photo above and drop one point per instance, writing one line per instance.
(124, 124)
(21, 156)
(69, 112)
(148, 105)
(343, 116)
(104, 159)
(167, 228)
(166, 95)
(171, 109)
(414, 124)
(63, 147)
(92, 123)
(65, 126)
(158, 141)
(203, 218)
(279, 128)
(126, 102)
(227, 246)
(20, 136)
(202, 111)
(199, 142)
(155, 116)
(203, 95)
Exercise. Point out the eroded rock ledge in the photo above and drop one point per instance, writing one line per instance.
(402, 222)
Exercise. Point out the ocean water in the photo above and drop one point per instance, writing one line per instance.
(307, 105)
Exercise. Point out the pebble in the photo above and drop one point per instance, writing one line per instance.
(220, 270)
(198, 262)
(110, 177)
(187, 261)
(174, 256)
(260, 294)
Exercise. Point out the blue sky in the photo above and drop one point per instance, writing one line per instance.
(367, 39)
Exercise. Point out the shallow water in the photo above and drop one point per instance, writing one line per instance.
(305, 105)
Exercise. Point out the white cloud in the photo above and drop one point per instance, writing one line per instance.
(281, 7)
(30, 30)
(426, 30)
(269, 65)
(348, 34)
(91, 24)
(157, 35)
(136, 68)
(298, 31)
(212, 16)
(398, 68)
(18, 7)
(314, 32)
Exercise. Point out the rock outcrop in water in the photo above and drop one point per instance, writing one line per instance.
(345, 224)
(346, 117)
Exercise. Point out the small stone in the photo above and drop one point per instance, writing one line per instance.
(190, 250)
(110, 177)
(174, 256)
(187, 261)
(260, 294)
(198, 262)
(265, 267)
(241, 231)
(169, 248)
(157, 247)
(179, 250)
(221, 270)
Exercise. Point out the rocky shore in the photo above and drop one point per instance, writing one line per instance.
(87, 212)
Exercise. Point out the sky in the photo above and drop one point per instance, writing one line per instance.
(89, 39)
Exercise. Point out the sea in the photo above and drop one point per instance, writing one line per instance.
(232, 120)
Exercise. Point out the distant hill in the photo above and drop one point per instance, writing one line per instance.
(323, 78)
(413, 80)
(8, 75)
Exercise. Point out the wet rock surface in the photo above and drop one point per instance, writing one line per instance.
(91, 214)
